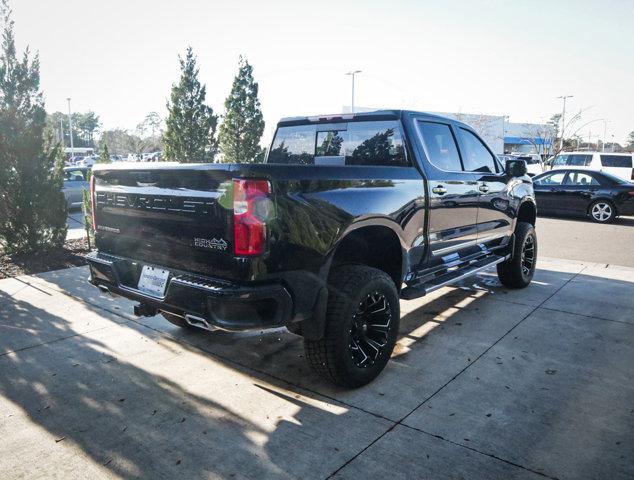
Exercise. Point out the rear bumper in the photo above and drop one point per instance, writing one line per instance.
(221, 304)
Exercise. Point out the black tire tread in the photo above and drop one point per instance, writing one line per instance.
(510, 271)
(344, 282)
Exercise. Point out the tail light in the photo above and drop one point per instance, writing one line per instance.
(250, 212)
(92, 202)
(632, 176)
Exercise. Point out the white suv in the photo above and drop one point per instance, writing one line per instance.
(619, 164)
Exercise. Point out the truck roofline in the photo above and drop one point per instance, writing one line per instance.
(382, 114)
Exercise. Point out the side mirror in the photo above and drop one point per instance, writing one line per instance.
(515, 168)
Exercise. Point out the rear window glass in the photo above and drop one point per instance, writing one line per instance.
(623, 161)
(353, 143)
(294, 145)
(74, 175)
(573, 160)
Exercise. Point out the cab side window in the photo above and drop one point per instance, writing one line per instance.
(555, 178)
(440, 146)
(476, 156)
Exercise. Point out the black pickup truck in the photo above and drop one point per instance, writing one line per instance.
(349, 213)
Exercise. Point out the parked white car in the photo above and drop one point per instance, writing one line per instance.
(87, 161)
(534, 163)
(619, 164)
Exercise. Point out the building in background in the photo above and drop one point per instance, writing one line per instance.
(529, 138)
(489, 127)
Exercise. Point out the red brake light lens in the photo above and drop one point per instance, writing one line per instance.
(250, 202)
(92, 202)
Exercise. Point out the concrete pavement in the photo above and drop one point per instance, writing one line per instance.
(484, 383)
(75, 225)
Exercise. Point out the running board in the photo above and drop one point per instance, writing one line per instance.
(420, 289)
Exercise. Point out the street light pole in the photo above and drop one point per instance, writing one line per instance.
(605, 129)
(70, 129)
(563, 119)
(352, 74)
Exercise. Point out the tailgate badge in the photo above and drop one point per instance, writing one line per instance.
(214, 243)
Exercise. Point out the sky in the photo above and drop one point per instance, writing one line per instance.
(120, 58)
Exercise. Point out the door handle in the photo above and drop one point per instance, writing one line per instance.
(484, 188)
(439, 190)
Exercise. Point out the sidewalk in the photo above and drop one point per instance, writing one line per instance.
(75, 223)
(484, 383)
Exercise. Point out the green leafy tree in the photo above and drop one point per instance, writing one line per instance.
(630, 141)
(190, 127)
(243, 123)
(32, 205)
(87, 211)
(86, 126)
(104, 157)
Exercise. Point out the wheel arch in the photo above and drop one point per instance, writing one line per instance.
(527, 212)
(375, 244)
(602, 199)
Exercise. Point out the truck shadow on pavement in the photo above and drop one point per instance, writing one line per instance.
(145, 399)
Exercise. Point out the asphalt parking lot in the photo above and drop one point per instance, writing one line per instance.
(576, 238)
(484, 383)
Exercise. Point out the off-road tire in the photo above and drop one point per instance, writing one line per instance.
(349, 286)
(512, 273)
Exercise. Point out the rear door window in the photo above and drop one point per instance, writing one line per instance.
(581, 179)
(440, 146)
(622, 161)
(476, 156)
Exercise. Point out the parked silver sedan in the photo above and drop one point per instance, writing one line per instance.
(75, 181)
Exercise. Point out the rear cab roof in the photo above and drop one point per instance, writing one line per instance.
(387, 114)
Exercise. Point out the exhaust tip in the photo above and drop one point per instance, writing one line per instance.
(199, 322)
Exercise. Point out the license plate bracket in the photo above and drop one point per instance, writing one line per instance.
(153, 281)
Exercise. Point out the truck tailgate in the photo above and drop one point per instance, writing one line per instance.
(178, 217)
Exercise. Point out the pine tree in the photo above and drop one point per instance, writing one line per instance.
(190, 127)
(104, 157)
(32, 205)
(243, 124)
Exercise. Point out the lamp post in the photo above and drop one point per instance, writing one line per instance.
(563, 119)
(70, 129)
(605, 129)
(505, 118)
(352, 74)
